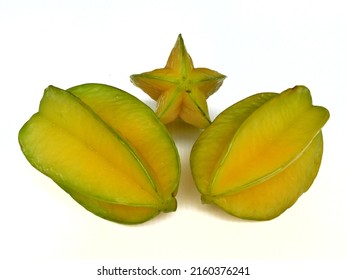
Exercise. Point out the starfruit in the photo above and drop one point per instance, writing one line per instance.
(105, 148)
(180, 89)
(261, 154)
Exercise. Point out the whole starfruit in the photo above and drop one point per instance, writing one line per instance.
(180, 89)
(261, 154)
(96, 142)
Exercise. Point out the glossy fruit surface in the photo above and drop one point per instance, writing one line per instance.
(260, 154)
(96, 142)
(180, 89)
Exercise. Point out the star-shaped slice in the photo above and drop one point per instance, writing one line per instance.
(180, 89)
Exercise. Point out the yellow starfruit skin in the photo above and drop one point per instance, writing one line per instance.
(261, 154)
(180, 89)
(97, 143)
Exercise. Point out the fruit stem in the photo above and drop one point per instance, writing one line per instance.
(206, 199)
(170, 205)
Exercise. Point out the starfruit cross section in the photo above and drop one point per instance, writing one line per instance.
(180, 89)
(105, 148)
(260, 154)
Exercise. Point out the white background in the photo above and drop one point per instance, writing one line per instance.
(259, 45)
